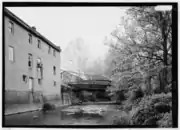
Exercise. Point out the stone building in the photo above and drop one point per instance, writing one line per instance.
(32, 63)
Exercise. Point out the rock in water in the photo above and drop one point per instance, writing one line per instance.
(48, 107)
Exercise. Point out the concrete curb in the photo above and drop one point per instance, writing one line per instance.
(38, 109)
(21, 112)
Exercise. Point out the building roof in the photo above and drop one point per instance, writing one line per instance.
(96, 77)
(30, 29)
(80, 75)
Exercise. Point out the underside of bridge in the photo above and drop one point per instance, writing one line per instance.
(89, 90)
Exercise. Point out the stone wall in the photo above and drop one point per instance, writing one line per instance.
(26, 97)
(47, 98)
(17, 97)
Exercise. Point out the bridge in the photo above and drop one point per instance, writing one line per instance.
(91, 90)
(90, 85)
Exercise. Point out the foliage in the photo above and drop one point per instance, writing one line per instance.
(136, 94)
(121, 118)
(139, 64)
(166, 120)
(142, 51)
(150, 108)
(142, 115)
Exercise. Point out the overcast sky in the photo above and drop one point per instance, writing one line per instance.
(63, 24)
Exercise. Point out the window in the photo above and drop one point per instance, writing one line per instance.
(54, 82)
(30, 39)
(49, 50)
(38, 63)
(11, 27)
(39, 44)
(54, 70)
(39, 68)
(11, 53)
(30, 60)
(39, 81)
(24, 78)
(54, 52)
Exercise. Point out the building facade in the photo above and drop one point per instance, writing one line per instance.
(68, 97)
(69, 76)
(32, 63)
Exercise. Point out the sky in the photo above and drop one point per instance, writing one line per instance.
(64, 24)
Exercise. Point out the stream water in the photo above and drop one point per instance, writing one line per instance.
(72, 115)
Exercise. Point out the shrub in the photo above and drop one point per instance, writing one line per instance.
(141, 115)
(168, 88)
(152, 121)
(120, 96)
(166, 120)
(149, 109)
(136, 94)
(162, 107)
(48, 107)
(149, 101)
(122, 119)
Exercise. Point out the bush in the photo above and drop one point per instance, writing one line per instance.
(149, 101)
(142, 115)
(166, 120)
(162, 107)
(120, 96)
(149, 109)
(48, 107)
(168, 88)
(122, 119)
(152, 121)
(136, 94)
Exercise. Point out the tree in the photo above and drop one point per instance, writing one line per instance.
(144, 47)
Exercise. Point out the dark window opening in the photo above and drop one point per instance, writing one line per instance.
(39, 44)
(11, 27)
(54, 83)
(24, 77)
(54, 70)
(30, 39)
(30, 60)
(39, 81)
(39, 68)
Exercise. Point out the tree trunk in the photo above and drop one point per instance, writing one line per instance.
(163, 72)
(162, 79)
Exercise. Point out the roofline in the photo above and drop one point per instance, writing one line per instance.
(27, 27)
(72, 73)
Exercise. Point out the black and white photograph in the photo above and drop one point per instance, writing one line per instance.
(89, 65)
